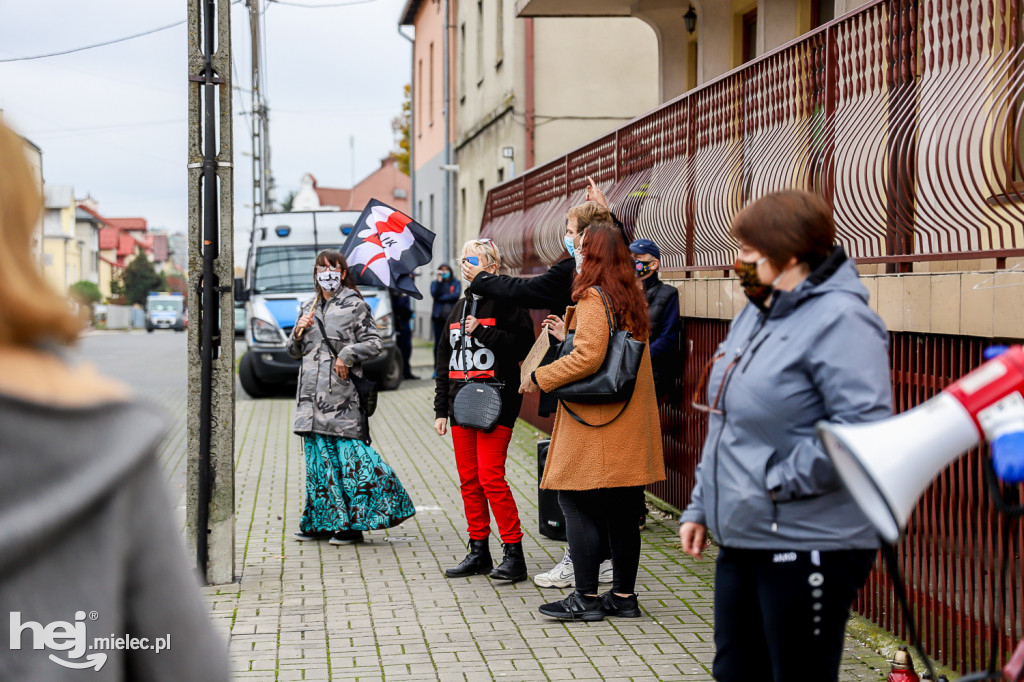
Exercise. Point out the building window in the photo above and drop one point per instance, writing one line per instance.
(432, 217)
(749, 36)
(479, 42)
(462, 63)
(501, 175)
(499, 32)
(419, 97)
(419, 211)
(430, 88)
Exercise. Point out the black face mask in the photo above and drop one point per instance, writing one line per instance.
(756, 290)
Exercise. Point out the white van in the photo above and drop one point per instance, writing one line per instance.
(278, 278)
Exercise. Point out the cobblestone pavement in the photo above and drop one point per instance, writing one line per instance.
(384, 610)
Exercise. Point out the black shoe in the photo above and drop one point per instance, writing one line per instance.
(347, 537)
(306, 536)
(623, 607)
(513, 563)
(411, 377)
(574, 607)
(477, 562)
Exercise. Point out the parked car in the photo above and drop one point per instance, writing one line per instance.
(278, 278)
(239, 318)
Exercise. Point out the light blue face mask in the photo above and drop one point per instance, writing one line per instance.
(569, 246)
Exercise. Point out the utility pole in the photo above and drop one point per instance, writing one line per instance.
(262, 177)
(210, 474)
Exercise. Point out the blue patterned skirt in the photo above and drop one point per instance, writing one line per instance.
(349, 487)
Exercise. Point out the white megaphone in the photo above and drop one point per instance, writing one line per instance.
(887, 465)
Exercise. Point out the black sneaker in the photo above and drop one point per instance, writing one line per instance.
(347, 537)
(622, 607)
(574, 607)
(307, 536)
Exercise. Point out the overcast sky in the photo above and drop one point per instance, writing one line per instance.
(111, 121)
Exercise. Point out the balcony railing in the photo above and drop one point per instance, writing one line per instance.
(905, 116)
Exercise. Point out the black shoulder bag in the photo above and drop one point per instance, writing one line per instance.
(477, 405)
(365, 388)
(615, 380)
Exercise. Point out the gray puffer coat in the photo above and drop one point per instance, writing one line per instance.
(326, 404)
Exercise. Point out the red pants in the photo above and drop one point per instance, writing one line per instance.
(480, 458)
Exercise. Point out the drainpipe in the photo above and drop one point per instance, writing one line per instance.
(412, 125)
(447, 207)
(530, 111)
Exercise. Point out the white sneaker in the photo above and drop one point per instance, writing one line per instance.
(562, 575)
(604, 575)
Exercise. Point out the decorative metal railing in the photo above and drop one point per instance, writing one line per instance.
(956, 539)
(905, 115)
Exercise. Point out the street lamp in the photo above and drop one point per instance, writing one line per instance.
(690, 19)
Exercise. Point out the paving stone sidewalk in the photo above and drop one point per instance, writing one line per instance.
(383, 610)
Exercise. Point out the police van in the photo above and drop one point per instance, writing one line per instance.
(165, 311)
(278, 278)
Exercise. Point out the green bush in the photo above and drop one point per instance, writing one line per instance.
(85, 292)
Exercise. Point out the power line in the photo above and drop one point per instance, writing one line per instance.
(307, 6)
(90, 47)
(105, 43)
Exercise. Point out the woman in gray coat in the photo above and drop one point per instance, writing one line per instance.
(794, 547)
(349, 488)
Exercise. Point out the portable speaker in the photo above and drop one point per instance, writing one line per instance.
(552, 520)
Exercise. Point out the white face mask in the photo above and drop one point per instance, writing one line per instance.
(329, 280)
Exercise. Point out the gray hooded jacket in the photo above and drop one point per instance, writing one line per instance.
(88, 538)
(326, 404)
(764, 481)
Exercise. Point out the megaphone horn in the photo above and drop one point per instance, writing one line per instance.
(887, 465)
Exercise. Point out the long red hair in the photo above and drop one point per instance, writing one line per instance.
(607, 263)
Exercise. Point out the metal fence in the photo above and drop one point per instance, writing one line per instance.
(904, 115)
(955, 540)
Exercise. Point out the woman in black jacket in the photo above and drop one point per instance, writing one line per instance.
(498, 337)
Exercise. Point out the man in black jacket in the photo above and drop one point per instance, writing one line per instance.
(663, 312)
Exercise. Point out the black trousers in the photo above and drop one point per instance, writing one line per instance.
(781, 616)
(600, 519)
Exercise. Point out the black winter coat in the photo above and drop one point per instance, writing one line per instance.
(494, 350)
(550, 291)
(663, 313)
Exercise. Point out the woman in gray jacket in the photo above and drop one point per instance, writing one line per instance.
(90, 552)
(794, 547)
(349, 488)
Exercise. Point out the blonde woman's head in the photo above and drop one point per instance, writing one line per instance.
(484, 252)
(30, 311)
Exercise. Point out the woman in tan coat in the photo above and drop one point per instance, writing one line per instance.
(600, 471)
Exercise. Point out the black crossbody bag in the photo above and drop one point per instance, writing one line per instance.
(615, 380)
(365, 388)
(477, 405)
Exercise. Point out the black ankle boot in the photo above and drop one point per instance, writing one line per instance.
(513, 563)
(477, 562)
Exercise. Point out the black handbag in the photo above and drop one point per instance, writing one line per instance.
(366, 389)
(615, 380)
(477, 405)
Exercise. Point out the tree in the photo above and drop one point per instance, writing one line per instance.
(289, 200)
(400, 126)
(85, 292)
(140, 278)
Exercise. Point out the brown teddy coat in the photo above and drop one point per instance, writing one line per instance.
(625, 452)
